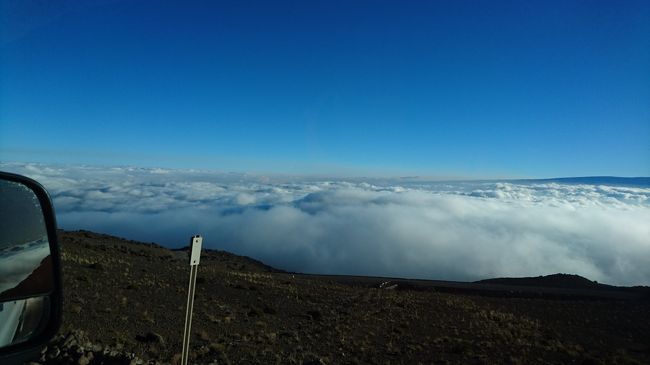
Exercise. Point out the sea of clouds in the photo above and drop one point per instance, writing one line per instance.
(437, 230)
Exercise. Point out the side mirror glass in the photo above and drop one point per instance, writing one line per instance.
(30, 276)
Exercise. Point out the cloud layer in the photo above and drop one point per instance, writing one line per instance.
(453, 231)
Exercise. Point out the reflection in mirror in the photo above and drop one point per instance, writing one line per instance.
(25, 263)
(22, 319)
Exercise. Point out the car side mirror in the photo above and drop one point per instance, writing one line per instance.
(30, 269)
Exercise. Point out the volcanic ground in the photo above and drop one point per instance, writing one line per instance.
(128, 300)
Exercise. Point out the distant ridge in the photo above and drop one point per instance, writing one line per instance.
(595, 180)
(550, 281)
(563, 281)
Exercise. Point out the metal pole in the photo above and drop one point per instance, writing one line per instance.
(195, 255)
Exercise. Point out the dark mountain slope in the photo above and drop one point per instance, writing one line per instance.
(128, 298)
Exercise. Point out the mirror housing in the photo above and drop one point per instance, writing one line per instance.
(31, 294)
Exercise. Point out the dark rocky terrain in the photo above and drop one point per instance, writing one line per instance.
(125, 303)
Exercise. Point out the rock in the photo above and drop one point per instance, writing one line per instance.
(152, 337)
(313, 362)
(75, 308)
(269, 310)
(315, 315)
(83, 278)
(96, 266)
(70, 340)
(153, 352)
(388, 285)
(217, 347)
(201, 351)
(203, 335)
(53, 353)
(85, 359)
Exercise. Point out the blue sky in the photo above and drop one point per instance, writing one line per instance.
(448, 89)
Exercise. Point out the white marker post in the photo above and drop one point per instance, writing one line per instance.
(195, 256)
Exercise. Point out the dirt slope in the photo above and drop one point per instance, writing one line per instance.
(129, 298)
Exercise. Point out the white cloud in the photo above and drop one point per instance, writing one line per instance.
(456, 231)
(16, 266)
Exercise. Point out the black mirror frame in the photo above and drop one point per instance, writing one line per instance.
(23, 351)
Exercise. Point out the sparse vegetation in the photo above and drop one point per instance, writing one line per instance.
(130, 296)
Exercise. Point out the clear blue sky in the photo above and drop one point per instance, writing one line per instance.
(437, 88)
